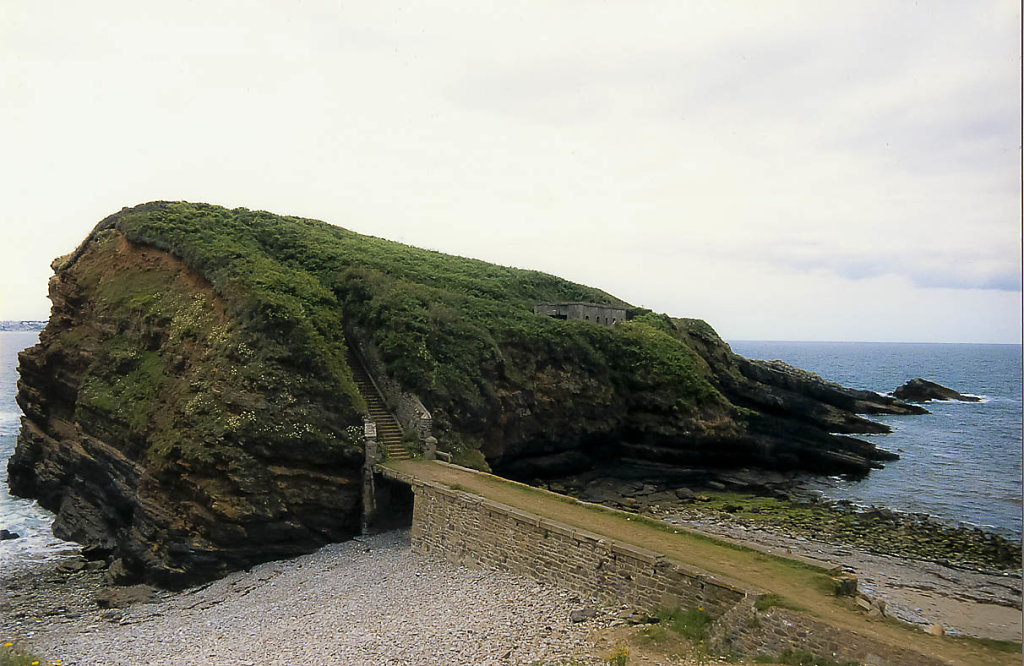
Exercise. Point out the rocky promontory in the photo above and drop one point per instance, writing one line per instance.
(190, 408)
(922, 390)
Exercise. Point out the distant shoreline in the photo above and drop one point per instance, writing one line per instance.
(22, 325)
(732, 341)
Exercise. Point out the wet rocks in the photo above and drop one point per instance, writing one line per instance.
(685, 494)
(582, 614)
(922, 390)
(72, 565)
(121, 597)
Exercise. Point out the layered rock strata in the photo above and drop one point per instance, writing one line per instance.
(780, 418)
(141, 430)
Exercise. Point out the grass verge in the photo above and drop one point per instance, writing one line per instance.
(12, 655)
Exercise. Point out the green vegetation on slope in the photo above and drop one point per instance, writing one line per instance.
(458, 332)
(175, 378)
(10, 655)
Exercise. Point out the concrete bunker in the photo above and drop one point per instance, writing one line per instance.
(599, 313)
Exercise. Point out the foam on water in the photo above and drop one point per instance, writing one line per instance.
(962, 461)
(25, 517)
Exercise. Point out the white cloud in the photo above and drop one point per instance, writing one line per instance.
(678, 154)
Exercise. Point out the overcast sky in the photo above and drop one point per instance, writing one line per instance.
(785, 170)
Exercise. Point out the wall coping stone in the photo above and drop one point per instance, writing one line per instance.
(642, 554)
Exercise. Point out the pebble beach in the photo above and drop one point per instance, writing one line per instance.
(366, 601)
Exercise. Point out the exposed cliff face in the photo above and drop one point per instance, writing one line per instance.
(190, 408)
(772, 416)
(141, 434)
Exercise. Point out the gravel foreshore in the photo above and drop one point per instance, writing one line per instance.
(366, 601)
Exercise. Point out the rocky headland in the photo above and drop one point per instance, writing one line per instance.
(190, 408)
(922, 390)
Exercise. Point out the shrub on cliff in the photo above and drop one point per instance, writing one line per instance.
(456, 331)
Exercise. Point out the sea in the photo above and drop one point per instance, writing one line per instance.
(25, 517)
(960, 464)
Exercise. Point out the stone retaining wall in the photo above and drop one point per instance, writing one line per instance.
(411, 414)
(477, 532)
(745, 630)
(473, 531)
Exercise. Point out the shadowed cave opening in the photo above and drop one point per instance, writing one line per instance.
(394, 501)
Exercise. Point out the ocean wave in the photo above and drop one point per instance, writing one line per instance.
(34, 525)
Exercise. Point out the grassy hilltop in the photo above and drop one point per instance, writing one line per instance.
(455, 331)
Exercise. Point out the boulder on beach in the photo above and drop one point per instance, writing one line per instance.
(922, 390)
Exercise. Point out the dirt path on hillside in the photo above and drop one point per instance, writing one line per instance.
(753, 569)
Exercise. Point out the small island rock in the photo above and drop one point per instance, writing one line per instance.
(922, 390)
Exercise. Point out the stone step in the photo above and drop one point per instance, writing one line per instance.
(385, 420)
(389, 433)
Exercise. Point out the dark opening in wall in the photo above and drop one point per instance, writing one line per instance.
(394, 505)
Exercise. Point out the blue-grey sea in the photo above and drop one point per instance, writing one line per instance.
(19, 515)
(961, 463)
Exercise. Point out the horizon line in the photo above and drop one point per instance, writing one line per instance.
(873, 342)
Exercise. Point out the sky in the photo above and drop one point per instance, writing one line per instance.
(785, 170)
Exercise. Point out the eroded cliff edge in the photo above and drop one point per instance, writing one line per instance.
(161, 433)
(189, 409)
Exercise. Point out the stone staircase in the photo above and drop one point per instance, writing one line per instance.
(389, 433)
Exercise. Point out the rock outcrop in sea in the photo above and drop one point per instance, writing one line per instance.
(190, 408)
(922, 390)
